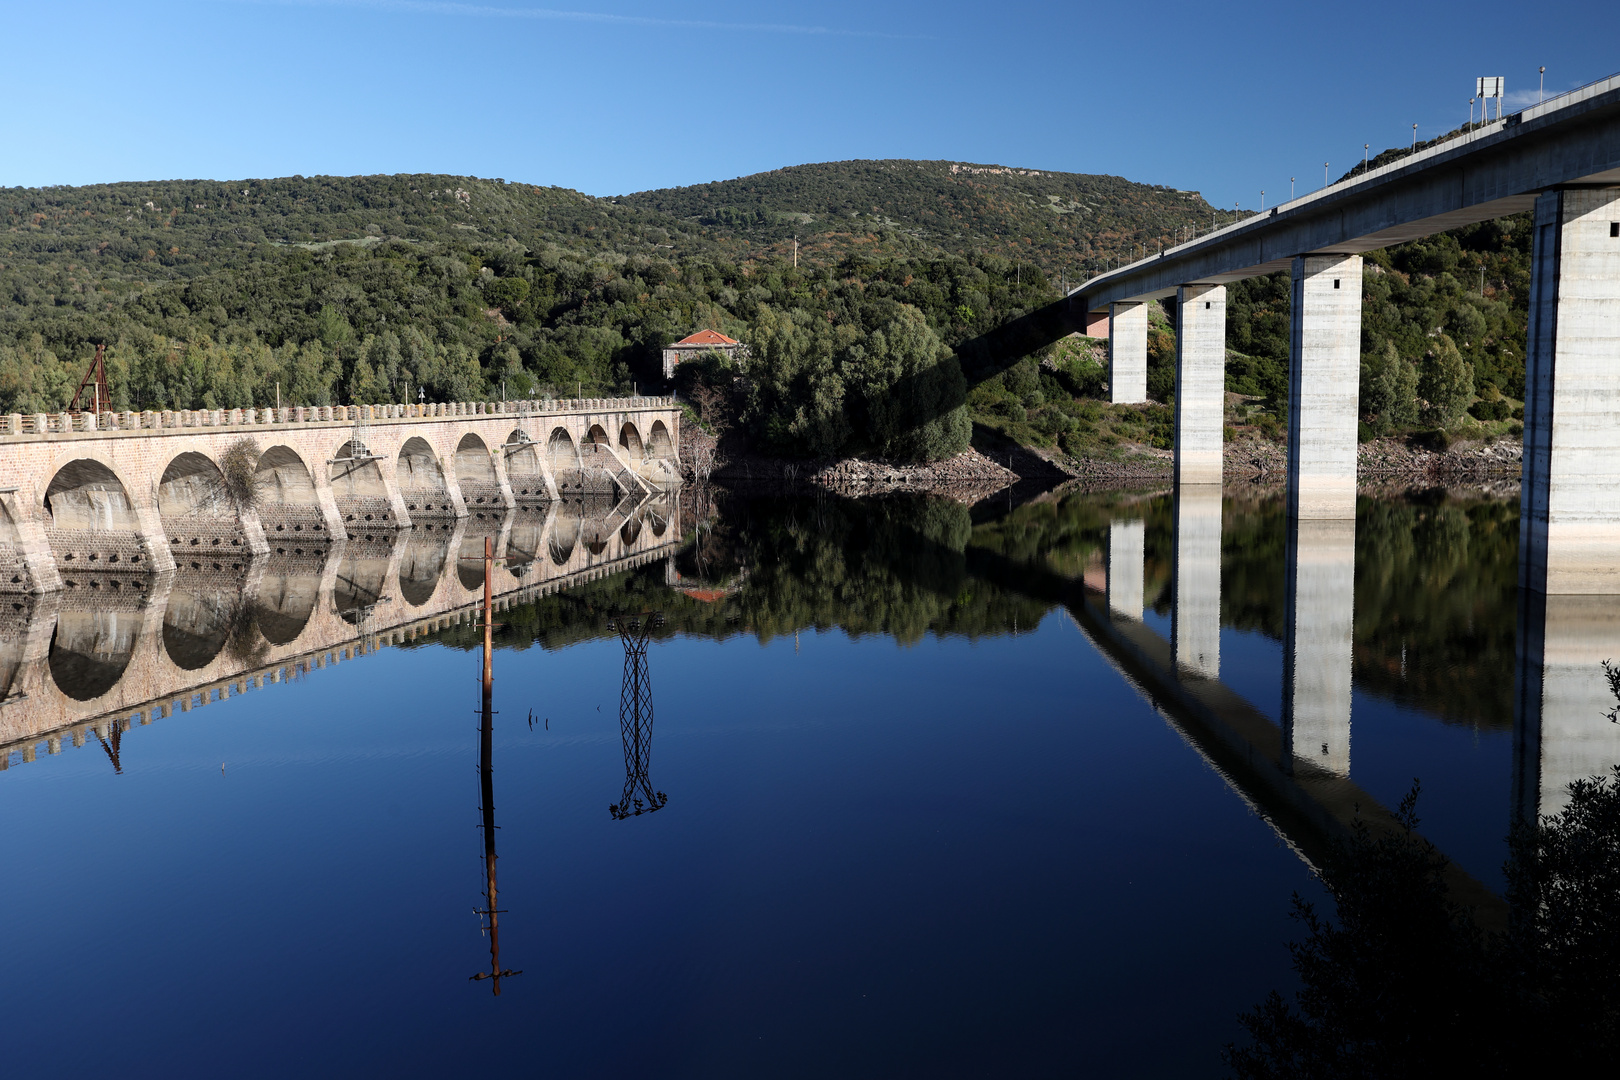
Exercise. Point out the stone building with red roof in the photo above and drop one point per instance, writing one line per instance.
(704, 341)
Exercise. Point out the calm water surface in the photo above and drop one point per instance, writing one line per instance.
(900, 788)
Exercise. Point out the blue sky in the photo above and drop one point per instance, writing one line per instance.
(612, 96)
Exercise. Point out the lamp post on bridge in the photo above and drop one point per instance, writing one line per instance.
(1290, 189)
(1324, 174)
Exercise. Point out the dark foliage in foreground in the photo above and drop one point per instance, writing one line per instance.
(1405, 983)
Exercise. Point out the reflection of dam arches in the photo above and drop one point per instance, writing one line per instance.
(286, 599)
(305, 613)
(470, 566)
(523, 545)
(564, 534)
(197, 622)
(422, 565)
(630, 531)
(361, 577)
(91, 649)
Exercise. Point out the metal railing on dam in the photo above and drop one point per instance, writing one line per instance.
(112, 650)
(149, 492)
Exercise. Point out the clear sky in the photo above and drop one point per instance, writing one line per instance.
(613, 96)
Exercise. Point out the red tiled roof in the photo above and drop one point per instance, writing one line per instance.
(706, 337)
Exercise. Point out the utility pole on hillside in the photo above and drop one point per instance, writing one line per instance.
(795, 253)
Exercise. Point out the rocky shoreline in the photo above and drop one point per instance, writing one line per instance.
(1381, 460)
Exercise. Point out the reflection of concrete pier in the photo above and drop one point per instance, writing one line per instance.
(1127, 567)
(116, 650)
(1561, 730)
(1195, 613)
(1316, 648)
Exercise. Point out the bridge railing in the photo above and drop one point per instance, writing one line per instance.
(65, 422)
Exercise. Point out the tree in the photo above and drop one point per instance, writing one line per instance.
(1446, 384)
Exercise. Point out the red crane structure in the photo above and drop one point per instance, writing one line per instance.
(96, 379)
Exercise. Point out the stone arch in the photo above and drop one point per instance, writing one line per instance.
(523, 468)
(196, 624)
(659, 444)
(560, 452)
(91, 649)
(85, 494)
(92, 520)
(359, 488)
(288, 506)
(198, 514)
(630, 439)
(630, 531)
(422, 565)
(475, 472)
(598, 434)
(421, 480)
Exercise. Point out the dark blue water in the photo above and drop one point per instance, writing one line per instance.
(918, 823)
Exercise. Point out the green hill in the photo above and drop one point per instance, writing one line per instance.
(1055, 220)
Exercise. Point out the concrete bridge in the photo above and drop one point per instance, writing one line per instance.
(146, 491)
(115, 648)
(1561, 159)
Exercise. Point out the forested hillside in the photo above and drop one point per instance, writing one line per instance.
(336, 290)
(1062, 222)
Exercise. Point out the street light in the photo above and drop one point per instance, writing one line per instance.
(1470, 112)
(1262, 200)
(1366, 156)
(1324, 174)
(1541, 92)
(1290, 189)
(1414, 138)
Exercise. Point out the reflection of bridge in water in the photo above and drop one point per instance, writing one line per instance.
(120, 650)
(1297, 775)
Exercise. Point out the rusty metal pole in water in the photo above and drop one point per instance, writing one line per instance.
(489, 575)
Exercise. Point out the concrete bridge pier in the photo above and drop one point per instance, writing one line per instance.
(1561, 730)
(1200, 383)
(1127, 569)
(1127, 352)
(1195, 611)
(1569, 526)
(1324, 381)
(1319, 622)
